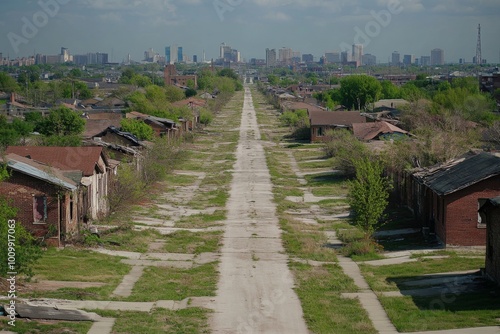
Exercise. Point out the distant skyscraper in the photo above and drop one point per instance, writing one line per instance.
(345, 57)
(195, 58)
(425, 61)
(437, 57)
(396, 59)
(285, 55)
(408, 59)
(172, 54)
(332, 57)
(369, 59)
(225, 52)
(308, 58)
(180, 55)
(270, 57)
(357, 53)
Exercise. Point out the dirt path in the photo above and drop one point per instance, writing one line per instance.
(255, 292)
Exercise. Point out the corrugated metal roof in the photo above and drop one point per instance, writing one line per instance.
(454, 177)
(39, 171)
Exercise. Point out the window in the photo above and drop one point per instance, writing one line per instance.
(481, 219)
(71, 203)
(39, 209)
(320, 132)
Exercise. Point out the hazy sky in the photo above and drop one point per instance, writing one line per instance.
(119, 27)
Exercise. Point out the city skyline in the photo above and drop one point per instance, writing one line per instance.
(315, 27)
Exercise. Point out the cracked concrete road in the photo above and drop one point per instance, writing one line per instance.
(255, 292)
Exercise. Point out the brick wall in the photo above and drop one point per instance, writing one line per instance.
(20, 191)
(461, 213)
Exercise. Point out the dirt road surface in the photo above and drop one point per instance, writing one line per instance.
(255, 292)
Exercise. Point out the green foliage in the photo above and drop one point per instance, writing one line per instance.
(295, 119)
(228, 72)
(368, 194)
(61, 141)
(345, 149)
(357, 91)
(389, 90)
(24, 247)
(138, 128)
(174, 94)
(206, 116)
(62, 122)
(7, 83)
(190, 92)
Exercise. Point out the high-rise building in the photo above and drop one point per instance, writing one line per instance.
(180, 55)
(308, 58)
(195, 58)
(332, 57)
(425, 61)
(270, 57)
(408, 60)
(437, 57)
(345, 57)
(369, 59)
(357, 53)
(172, 54)
(396, 59)
(285, 55)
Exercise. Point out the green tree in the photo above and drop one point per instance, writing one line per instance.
(138, 128)
(7, 83)
(174, 94)
(26, 251)
(368, 194)
(357, 91)
(206, 117)
(389, 90)
(345, 149)
(62, 122)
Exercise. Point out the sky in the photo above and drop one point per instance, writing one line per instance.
(122, 27)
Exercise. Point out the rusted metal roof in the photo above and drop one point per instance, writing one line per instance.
(39, 171)
(85, 159)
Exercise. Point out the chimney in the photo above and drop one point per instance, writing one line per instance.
(12, 97)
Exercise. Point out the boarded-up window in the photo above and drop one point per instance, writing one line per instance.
(39, 209)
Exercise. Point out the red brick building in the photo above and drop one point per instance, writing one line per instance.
(446, 198)
(172, 78)
(47, 200)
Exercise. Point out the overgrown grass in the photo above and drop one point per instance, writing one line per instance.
(159, 320)
(49, 327)
(452, 311)
(163, 283)
(304, 242)
(325, 311)
(79, 266)
(193, 243)
(387, 278)
(126, 239)
(202, 220)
